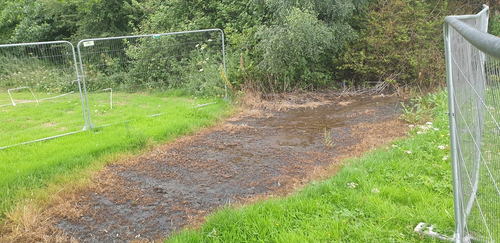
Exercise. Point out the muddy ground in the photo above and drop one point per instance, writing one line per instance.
(251, 156)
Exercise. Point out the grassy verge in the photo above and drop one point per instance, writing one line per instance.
(378, 198)
(26, 170)
(64, 114)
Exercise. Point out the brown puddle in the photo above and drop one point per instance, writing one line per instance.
(243, 160)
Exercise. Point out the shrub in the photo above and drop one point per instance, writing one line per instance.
(297, 54)
(402, 42)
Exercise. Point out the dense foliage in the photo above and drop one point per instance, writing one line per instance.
(47, 20)
(404, 44)
(279, 44)
(273, 45)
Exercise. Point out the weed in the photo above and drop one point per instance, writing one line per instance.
(411, 113)
(421, 107)
(327, 141)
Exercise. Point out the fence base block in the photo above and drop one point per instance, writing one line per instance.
(425, 230)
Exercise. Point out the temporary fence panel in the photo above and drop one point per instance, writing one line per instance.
(128, 77)
(40, 95)
(473, 74)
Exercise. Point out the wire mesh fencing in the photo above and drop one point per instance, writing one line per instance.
(127, 78)
(473, 74)
(48, 91)
(40, 96)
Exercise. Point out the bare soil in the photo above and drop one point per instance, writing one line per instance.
(251, 156)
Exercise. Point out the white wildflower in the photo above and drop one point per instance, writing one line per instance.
(441, 147)
(445, 157)
(352, 184)
(375, 190)
(408, 151)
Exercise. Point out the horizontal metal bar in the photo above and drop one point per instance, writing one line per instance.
(472, 16)
(42, 139)
(37, 43)
(487, 43)
(151, 35)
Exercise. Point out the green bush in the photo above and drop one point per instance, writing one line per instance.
(402, 42)
(40, 75)
(297, 53)
(494, 25)
(190, 62)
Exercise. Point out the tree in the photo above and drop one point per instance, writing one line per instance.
(47, 20)
(12, 13)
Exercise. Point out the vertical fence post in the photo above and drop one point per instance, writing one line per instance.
(85, 114)
(224, 60)
(457, 188)
(81, 76)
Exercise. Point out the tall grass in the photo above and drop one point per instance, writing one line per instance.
(380, 197)
(26, 169)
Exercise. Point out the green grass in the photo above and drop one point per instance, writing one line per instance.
(380, 197)
(30, 121)
(26, 170)
(51, 117)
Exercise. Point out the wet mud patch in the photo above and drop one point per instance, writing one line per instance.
(246, 158)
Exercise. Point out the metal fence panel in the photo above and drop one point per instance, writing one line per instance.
(474, 92)
(40, 95)
(126, 77)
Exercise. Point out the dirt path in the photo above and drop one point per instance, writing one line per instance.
(251, 156)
